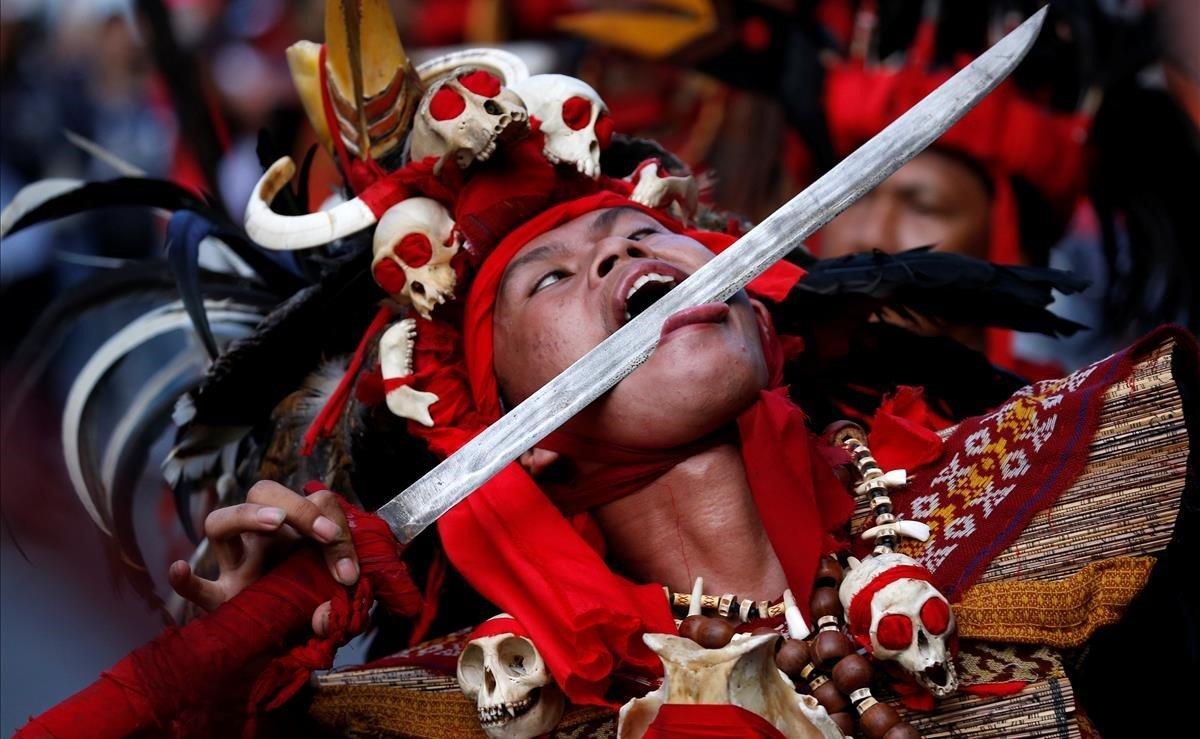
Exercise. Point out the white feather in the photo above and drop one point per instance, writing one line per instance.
(33, 195)
(151, 325)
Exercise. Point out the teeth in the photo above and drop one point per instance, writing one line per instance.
(645, 280)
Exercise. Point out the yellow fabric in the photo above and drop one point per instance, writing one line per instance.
(653, 33)
(1059, 613)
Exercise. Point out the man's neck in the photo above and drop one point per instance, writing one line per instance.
(698, 519)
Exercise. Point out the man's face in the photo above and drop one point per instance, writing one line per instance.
(933, 200)
(570, 288)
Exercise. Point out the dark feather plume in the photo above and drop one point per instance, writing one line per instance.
(936, 285)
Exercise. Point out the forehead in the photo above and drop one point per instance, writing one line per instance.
(579, 231)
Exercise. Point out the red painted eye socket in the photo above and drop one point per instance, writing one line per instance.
(895, 631)
(446, 104)
(414, 249)
(481, 83)
(935, 614)
(604, 129)
(390, 276)
(577, 112)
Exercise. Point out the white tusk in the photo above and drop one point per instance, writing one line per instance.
(697, 594)
(852, 562)
(890, 480)
(288, 233)
(911, 529)
(795, 620)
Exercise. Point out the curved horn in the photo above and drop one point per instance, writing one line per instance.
(287, 233)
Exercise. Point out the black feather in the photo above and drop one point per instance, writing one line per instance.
(936, 285)
(105, 287)
(120, 192)
(254, 374)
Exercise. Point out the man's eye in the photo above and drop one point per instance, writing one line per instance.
(642, 233)
(549, 279)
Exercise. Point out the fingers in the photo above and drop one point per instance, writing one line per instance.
(339, 553)
(318, 517)
(224, 528)
(320, 619)
(204, 593)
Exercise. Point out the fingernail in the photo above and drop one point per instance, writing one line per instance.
(323, 623)
(270, 516)
(325, 529)
(347, 571)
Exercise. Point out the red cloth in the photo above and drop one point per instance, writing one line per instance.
(728, 721)
(188, 681)
(519, 551)
(903, 431)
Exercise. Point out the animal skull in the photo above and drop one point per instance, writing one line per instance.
(413, 245)
(655, 187)
(463, 116)
(742, 673)
(512, 690)
(910, 622)
(574, 120)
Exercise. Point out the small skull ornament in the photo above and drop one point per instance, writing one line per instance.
(573, 118)
(413, 245)
(463, 117)
(911, 622)
(512, 689)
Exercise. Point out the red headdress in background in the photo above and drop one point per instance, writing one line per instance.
(1007, 133)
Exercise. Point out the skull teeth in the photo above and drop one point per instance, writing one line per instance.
(642, 282)
(504, 712)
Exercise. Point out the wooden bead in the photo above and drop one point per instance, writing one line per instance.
(689, 627)
(878, 721)
(792, 657)
(828, 647)
(829, 572)
(845, 722)
(831, 698)
(768, 630)
(851, 673)
(902, 730)
(825, 602)
(714, 633)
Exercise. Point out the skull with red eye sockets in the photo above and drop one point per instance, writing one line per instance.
(910, 621)
(574, 120)
(463, 117)
(413, 246)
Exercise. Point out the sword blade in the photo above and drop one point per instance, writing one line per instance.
(605, 365)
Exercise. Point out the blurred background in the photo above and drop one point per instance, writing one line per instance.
(1093, 165)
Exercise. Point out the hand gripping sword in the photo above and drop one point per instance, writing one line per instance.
(612, 359)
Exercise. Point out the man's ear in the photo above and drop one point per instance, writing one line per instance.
(536, 461)
(763, 316)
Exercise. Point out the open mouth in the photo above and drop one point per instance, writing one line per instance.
(648, 289)
(642, 287)
(505, 712)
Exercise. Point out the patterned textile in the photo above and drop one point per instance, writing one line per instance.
(1060, 613)
(997, 471)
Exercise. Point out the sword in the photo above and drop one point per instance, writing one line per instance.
(594, 373)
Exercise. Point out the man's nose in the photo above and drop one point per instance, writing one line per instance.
(875, 226)
(610, 251)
